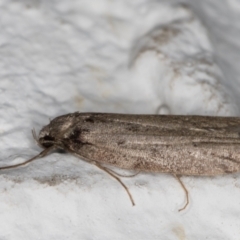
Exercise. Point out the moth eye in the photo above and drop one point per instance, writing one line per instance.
(47, 141)
(48, 138)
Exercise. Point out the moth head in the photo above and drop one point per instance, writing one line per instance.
(45, 138)
(56, 131)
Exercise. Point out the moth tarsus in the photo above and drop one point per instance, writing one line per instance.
(185, 190)
(178, 145)
(119, 180)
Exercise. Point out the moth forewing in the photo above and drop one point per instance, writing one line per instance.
(179, 145)
(156, 146)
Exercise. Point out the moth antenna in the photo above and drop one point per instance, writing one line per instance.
(185, 190)
(119, 180)
(40, 155)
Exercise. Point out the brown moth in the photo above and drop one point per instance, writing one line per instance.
(179, 145)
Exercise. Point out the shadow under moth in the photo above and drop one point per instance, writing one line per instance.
(178, 145)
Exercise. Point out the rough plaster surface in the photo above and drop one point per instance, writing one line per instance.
(135, 56)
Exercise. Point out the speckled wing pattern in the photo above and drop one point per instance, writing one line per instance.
(183, 145)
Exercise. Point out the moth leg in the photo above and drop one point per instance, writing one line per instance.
(40, 155)
(107, 170)
(185, 190)
(118, 179)
(122, 175)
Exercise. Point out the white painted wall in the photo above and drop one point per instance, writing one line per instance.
(136, 56)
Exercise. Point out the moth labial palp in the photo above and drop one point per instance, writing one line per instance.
(174, 144)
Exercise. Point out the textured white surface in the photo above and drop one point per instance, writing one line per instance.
(136, 56)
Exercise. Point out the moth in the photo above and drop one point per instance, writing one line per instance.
(178, 145)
